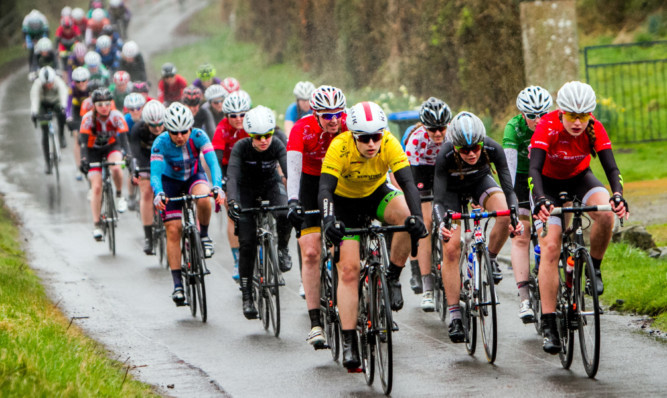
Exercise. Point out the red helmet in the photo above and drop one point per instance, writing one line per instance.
(192, 96)
(121, 77)
(230, 84)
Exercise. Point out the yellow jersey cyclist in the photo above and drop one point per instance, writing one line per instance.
(561, 151)
(353, 188)
(533, 102)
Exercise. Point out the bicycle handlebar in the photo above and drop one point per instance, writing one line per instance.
(263, 208)
(189, 197)
(414, 243)
(561, 210)
(45, 117)
(102, 164)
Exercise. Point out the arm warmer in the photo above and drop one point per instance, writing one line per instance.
(611, 170)
(325, 196)
(537, 157)
(407, 184)
(294, 164)
(512, 156)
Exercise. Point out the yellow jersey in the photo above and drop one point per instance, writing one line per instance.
(357, 176)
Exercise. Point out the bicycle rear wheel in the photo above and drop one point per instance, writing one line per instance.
(257, 287)
(366, 339)
(487, 307)
(436, 271)
(186, 270)
(534, 297)
(587, 312)
(382, 328)
(273, 292)
(468, 318)
(565, 316)
(198, 267)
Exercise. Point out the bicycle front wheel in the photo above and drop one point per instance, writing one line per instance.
(53, 154)
(565, 317)
(160, 240)
(534, 297)
(436, 271)
(382, 325)
(198, 270)
(273, 292)
(328, 313)
(487, 306)
(110, 218)
(186, 271)
(587, 312)
(366, 339)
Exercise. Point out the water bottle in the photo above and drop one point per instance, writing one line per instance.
(470, 265)
(569, 269)
(537, 259)
(329, 267)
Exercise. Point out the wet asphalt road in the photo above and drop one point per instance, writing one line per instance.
(124, 302)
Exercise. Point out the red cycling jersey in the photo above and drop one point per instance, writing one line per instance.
(173, 92)
(67, 39)
(308, 138)
(567, 156)
(225, 137)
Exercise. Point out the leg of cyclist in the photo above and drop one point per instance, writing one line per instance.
(95, 179)
(520, 257)
(603, 224)
(174, 228)
(117, 176)
(283, 227)
(234, 245)
(348, 300)
(548, 280)
(310, 275)
(424, 257)
(494, 200)
(60, 116)
(451, 280)
(395, 212)
(200, 187)
(247, 230)
(45, 147)
(146, 210)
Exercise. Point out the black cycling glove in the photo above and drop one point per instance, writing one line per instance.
(415, 227)
(295, 213)
(541, 202)
(334, 230)
(234, 211)
(617, 199)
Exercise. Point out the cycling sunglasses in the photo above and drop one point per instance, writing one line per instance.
(366, 138)
(154, 125)
(436, 129)
(235, 115)
(103, 103)
(329, 116)
(533, 116)
(133, 109)
(259, 137)
(465, 150)
(216, 102)
(179, 132)
(571, 116)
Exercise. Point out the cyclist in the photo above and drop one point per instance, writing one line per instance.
(44, 55)
(141, 88)
(205, 77)
(116, 41)
(132, 61)
(215, 94)
(463, 168)
(252, 174)
(49, 94)
(34, 27)
(109, 55)
(301, 107)
(309, 140)
(120, 88)
(533, 102)
(562, 146)
(133, 103)
(76, 59)
(170, 87)
(230, 84)
(142, 136)
(80, 20)
(119, 15)
(67, 35)
(422, 149)
(102, 134)
(96, 69)
(175, 170)
(78, 93)
(353, 187)
(192, 98)
(96, 22)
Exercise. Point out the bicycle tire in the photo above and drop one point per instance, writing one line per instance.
(111, 218)
(534, 297)
(53, 155)
(436, 270)
(328, 313)
(366, 352)
(382, 324)
(487, 307)
(466, 304)
(160, 240)
(273, 293)
(198, 267)
(587, 312)
(257, 289)
(564, 317)
(185, 270)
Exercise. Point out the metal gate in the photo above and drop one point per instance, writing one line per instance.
(630, 82)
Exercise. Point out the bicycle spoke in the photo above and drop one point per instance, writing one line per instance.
(588, 313)
(487, 310)
(383, 331)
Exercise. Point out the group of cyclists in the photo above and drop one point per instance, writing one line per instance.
(334, 166)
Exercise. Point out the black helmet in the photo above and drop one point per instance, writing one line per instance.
(435, 113)
(168, 69)
(101, 94)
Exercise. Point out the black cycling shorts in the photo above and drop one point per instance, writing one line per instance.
(96, 155)
(578, 186)
(308, 192)
(356, 212)
(479, 192)
(521, 190)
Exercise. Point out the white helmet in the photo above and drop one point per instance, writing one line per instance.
(327, 98)
(80, 74)
(134, 101)
(103, 42)
(215, 91)
(80, 49)
(236, 102)
(78, 14)
(303, 90)
(46, 75)
(130, 49)
(43, 44)
(576, 97)
(231, 84)
(92, 59)
(366, 118)
(466, 129)
(534, 99)
(98, 15)
(153, 112)
(66, 11)
(259, 121)
(115, 3)
(178, 117)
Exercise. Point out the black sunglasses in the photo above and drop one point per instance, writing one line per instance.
(366, 138)
(533, 116)
(179, 132)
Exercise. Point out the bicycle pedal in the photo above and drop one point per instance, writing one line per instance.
(207, 271)
(321, 347)
(528, 319)
(356, 370)
(394, 326)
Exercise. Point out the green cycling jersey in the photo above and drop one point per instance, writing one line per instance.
(517, 136)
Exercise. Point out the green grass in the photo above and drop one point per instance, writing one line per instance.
(640, 281)
(659, 233)
(9, 54)
(40, 354)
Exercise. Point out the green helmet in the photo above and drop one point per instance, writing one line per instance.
(206, 72)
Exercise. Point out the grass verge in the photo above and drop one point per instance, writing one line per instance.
(639, 281)
(41, 354)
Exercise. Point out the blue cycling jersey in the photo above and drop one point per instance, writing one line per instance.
(182, 162)
(129, 121)
(293, 113)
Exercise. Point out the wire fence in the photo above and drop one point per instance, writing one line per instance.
(630, 81)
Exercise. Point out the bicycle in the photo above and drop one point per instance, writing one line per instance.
(54, 144)
(193, 264)
(436, 268)
(375, 323)
(159, 233)
(109, 214)
(533, 281)
(478, 291)
(266, 275)
(577, 306)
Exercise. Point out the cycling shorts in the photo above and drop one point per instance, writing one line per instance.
(356, 212)
(479, 192)
(96, 155)
(423, 176)
(308, 192)
(173, 187)
(522, 194)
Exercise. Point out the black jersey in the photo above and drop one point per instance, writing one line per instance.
(250, 169)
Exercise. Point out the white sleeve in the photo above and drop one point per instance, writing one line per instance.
(294, 165)
(35, 96)
(63, 92)
(512, 156)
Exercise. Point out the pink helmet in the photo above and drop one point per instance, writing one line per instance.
(80, 50)
(230, 84)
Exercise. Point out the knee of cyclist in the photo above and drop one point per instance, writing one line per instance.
(503, 222)
(605, 219)
(347, 275)
(311, 256)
